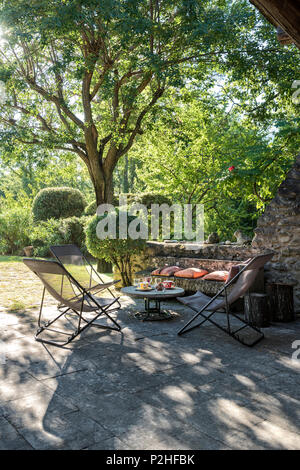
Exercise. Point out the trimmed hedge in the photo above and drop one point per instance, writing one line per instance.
(57, 203)
(151, 198)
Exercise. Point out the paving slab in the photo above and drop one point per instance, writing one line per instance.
(147, 388)
(10, 439)
(69, 431)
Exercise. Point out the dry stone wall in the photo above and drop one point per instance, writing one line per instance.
(278, 229)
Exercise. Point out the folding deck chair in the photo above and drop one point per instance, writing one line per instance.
(73, 296)
(78, 266)
(201, 303)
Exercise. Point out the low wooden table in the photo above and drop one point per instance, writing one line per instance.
(153, 313)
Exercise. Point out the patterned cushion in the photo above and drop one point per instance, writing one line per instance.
(217, 276)
(156, 272)
(169, 270)
(191, 273)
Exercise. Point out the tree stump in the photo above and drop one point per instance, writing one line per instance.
(256, 309)
(28, 250)
(281, 302)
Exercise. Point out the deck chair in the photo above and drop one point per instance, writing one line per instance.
(75, 298)
(78, 266)
(201, 304)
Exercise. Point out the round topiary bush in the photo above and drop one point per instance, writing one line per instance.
(57, 203)
(119, 252)
(151, 198)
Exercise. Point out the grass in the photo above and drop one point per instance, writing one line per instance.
(10, 259)
(20, 289)
(16, 306)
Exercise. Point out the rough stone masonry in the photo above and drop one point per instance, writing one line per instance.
(278, 229)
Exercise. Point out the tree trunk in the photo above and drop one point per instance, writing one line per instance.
(103, 187)
(104, 266)
(125, 176)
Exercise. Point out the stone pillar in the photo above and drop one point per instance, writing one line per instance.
(278, 229)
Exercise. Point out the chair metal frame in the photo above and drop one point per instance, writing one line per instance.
(83, 297)
(102, 285)
(228, 330)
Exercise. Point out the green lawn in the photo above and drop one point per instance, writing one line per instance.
(10, 259)
(20, 289)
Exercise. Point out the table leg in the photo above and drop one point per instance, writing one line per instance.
(153, 313)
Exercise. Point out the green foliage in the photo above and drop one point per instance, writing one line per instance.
(181, 89)
(59, 232)
(120, 252)
(149, 198)
(142, 198)
(82, 76)
(58, 203)
(91, 208)
(15, 229)
(187, 155)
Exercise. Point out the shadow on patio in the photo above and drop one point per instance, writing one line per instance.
(147, 388)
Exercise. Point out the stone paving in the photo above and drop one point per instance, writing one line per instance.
(147, 388)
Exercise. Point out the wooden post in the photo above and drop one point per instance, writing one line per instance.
(281, 302)
(256, 309)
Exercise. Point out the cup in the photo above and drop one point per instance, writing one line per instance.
(168, 284)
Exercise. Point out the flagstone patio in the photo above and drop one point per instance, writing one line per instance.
(147, 388)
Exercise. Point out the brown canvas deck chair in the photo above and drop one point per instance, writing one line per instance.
(206, 307)
(74, 297)
(78, 266)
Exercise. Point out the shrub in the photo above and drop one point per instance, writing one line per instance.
(151, 198)
(143, 198)
(73, 230)
(15, 229)
(56, 203)
(119, 252)
(59, 232)
(91, 208)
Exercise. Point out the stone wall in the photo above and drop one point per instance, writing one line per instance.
(194, 250)
(278, 229)
(214, 257)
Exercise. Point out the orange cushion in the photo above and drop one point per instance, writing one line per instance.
(192, 273)
(217, 276)
(169, 270)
